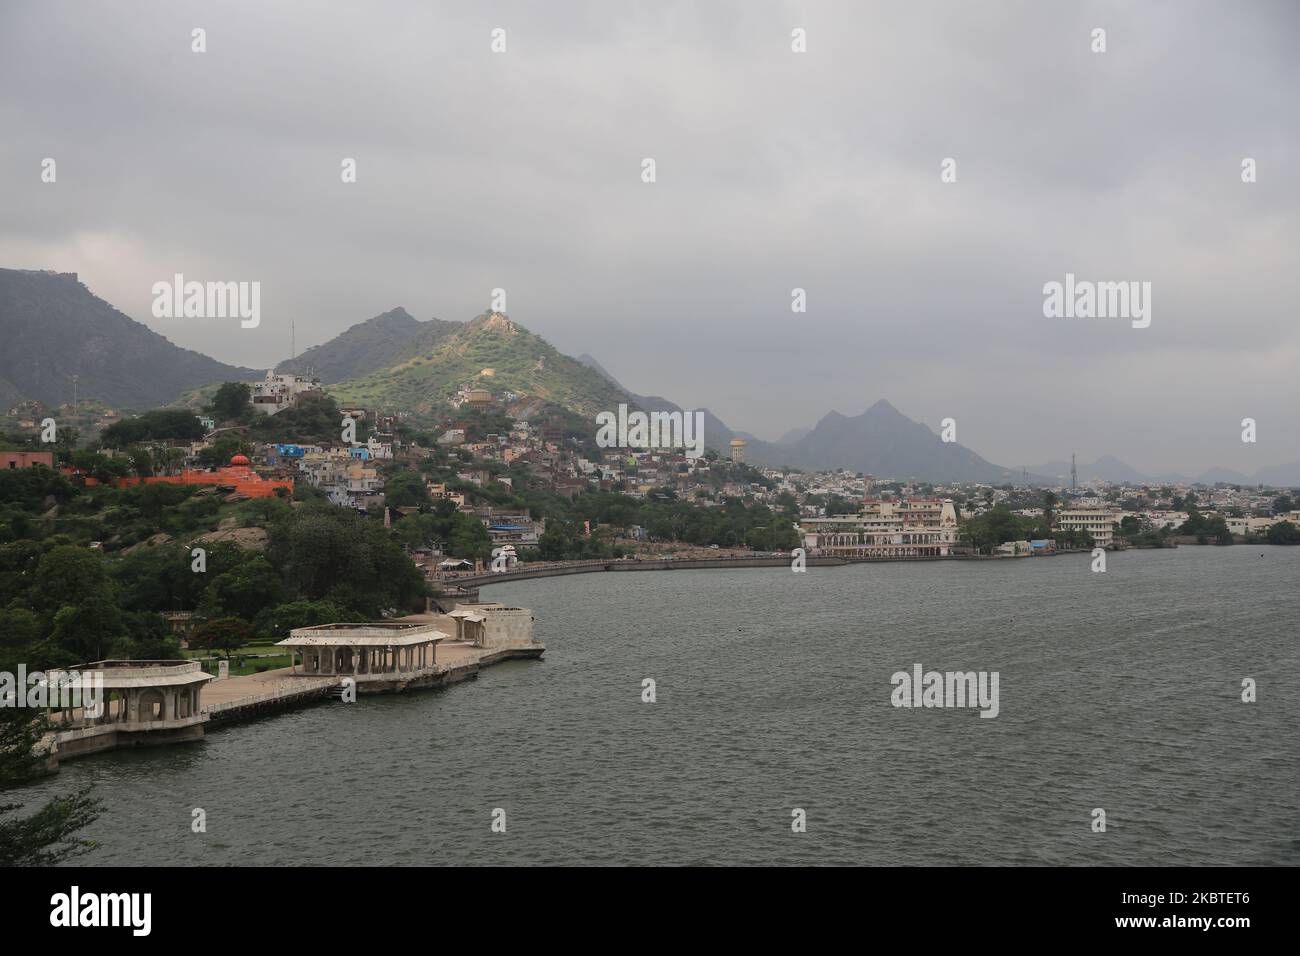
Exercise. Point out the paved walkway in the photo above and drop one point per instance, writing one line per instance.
(252, 685)
(221, 693)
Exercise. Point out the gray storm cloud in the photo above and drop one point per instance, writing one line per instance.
(775, 170)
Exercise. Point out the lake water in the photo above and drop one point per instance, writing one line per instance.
(1119, 690)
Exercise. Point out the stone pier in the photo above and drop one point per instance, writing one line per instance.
(159, 701)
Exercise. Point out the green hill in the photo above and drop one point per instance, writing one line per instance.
(428, 376)
(369, 346)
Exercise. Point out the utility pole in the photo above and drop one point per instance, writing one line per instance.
(74, 396)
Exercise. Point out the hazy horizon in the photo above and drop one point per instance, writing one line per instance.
(775, 170)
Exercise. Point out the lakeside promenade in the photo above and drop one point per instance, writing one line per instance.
(137, 723)
(560, 568)
(241, 698)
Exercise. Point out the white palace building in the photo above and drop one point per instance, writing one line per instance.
(910, 528)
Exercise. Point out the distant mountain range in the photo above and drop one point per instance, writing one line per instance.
(1110, 468)
(717, 434)
(881, 441)
(1106, 468)
(53, 328)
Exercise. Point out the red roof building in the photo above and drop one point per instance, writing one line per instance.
(238, 475)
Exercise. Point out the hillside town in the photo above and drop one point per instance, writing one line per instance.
(512, 476)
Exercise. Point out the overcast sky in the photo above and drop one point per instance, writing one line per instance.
(775, 170)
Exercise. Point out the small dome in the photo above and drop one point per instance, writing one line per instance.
(240, 460)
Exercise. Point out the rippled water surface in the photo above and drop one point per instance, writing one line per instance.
(1117, 690)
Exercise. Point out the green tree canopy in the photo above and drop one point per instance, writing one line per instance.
(162, 424)
(223, 633)
(1284, 532)
(232, 402)
(327, 553)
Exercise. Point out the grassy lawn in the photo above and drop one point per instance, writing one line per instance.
(247, 649)
(252, 664)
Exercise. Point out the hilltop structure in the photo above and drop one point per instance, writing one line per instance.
(278, 392)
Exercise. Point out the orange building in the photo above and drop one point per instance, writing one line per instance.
(238, 475)
(26, 459)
